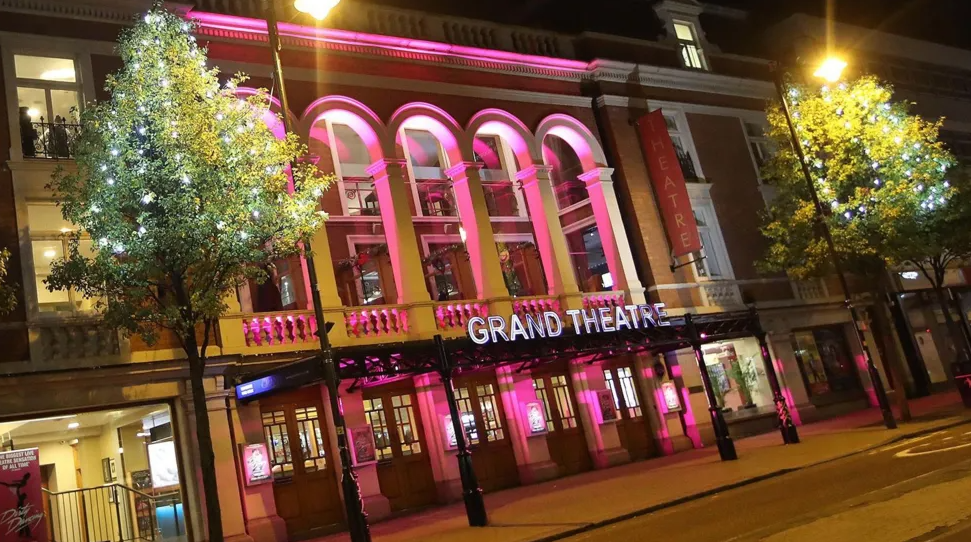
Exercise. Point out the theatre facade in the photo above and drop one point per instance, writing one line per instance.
(498, 225)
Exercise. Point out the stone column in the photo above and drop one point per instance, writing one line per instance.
(480, 240)
(375, 503)
(613, 235)
(390, 183)
(550, 240)
(532, 453)
(262, 522)
(603, 440)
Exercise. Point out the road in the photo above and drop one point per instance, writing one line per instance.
(917, 490)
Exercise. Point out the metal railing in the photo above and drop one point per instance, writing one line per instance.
(110, 513)
(48, 139)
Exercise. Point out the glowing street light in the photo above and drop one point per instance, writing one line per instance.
(830, 69)
(318, 9)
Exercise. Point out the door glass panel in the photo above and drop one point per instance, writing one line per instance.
(564, 403)
(490, 412)
(609, 377)
(464, 402)
(64, 104)
(540, 386)
(626, 378)
(374, 412)
(277, 441)
(311, 439)
(404, 419)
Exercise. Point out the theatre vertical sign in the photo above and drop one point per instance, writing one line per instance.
(668, 181)
(21, 504)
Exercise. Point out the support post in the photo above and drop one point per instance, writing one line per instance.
(471, 492)
(357, 523)
(726, 448)
(786, 426)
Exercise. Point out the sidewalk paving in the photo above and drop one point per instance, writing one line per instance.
(556, 508)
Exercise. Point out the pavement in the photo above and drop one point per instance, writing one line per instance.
(591, 504)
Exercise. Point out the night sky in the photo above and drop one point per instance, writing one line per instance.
(941, 21)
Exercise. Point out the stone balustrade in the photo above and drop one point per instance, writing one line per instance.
(453, 316)
(535, 306)
(385, 321)
(722, 294)
(279, 328)
(60, 340)
(603, 299)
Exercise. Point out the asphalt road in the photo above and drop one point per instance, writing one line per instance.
(918, 490)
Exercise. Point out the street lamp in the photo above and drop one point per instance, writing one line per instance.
(830, 70)
(357, 523)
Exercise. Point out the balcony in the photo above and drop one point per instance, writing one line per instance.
(49, 140)
(361, 198)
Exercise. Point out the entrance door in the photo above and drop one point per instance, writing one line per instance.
(304, 479)
(568, 446)
(485, 428)
(632, 426)
(404, 469)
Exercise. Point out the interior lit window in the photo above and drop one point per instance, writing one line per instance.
(50, 242)
(48, 99)
(691, 54)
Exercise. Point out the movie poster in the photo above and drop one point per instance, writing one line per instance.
(21, 504)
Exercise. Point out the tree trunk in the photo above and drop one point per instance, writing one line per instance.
(894, 362)
(207, 458)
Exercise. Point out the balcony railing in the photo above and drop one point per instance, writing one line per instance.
(362, 199)
(51, 140)
(435, 197)
(87, 340)
(687, 166)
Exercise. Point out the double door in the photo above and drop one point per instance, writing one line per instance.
(484, 422)
(404, 468)
(632, 427)
(565, 437)
(304, 472)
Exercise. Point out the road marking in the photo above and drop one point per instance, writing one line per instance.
(906, 442)
(909, 453)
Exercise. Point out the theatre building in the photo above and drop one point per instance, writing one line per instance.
(496, 187)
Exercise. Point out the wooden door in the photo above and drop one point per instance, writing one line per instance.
(404, 468)
(633, 427)
(484, 422)
(565, 438)
(304, 477)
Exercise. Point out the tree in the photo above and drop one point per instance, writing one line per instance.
(883, 180)
(186, 193)
(8, 291)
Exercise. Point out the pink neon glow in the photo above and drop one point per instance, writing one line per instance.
(689, 420)
(576, 135)
(352, 113)
(434, 119)
(270, 118)
(787, 394)
(510, 129)
(333, 36)
(382, 185)
(871, 392)
(601, 211)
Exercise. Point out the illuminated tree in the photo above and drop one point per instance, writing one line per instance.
(8, 292)
(883, 179)
(186, 193)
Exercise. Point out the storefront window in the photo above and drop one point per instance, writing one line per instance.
(738, 375)
(825, 361)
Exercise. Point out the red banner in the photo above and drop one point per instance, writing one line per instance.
(21, 503)
(668, 180)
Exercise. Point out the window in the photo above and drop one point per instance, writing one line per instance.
(433, 189)
(48, 97)
(691, 55)
(678, 130)
(311, 439)
(278, 443)
(539, 386)
(565, 172)
(758, 145)
(501, 198)
(374, 414)
(711, 262)
(589, 260)
(352, 158)
(404, 420)
(489, 407)
(464, 403)
(49, 243)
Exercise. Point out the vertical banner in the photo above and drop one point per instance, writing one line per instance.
(21, 502)
(668, 181)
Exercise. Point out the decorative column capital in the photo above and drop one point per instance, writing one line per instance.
(458, 171)
(539, 171)
(383, 167)
(597, 174)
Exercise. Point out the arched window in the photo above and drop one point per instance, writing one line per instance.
(427, 164)
(566, 165)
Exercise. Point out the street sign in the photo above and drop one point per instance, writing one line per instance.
(290, 376)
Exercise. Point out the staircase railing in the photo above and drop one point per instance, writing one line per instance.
(109, 513)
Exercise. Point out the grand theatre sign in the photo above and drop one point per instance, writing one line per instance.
(549, 324)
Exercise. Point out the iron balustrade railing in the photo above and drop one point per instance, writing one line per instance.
(362, 198)
(110, 513)
(49, 139)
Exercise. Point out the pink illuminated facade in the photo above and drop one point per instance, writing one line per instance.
(474, 177)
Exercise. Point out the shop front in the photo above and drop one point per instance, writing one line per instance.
(94, 475)
(826, 364)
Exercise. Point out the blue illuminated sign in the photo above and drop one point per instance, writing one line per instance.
(290, 376)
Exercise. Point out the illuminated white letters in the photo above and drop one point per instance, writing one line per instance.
(573, 313)
(549, 324)
(516, 328)
(552, 318)
(476, 332)
(497, 327)
(606, 321)
(620, 316)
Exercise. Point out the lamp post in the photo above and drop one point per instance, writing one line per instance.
(830, 70)
(357, 523)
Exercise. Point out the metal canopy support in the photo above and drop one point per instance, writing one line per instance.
(786, 427)
(471, 492)
(726, 448)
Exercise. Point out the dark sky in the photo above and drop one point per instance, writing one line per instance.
(941, 21)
